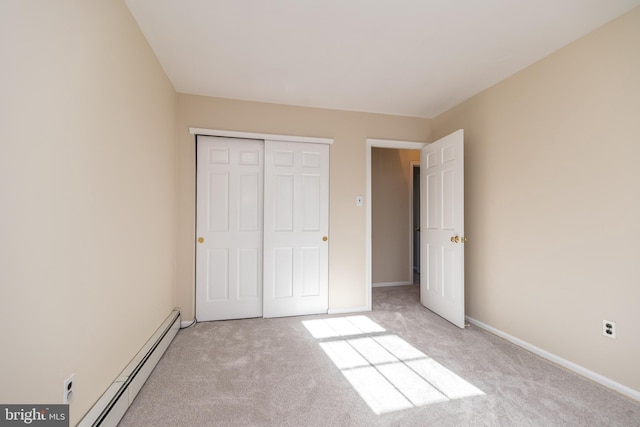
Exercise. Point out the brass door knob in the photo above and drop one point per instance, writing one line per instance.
(200, 239)
(458, 239)
(325, 238)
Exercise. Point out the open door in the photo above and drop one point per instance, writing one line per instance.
(442, 226)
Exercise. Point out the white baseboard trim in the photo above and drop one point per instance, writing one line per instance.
(347, 310)
(600, 379)
(113, 404)
(385, 284)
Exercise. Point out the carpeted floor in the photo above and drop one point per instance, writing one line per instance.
(273, 372)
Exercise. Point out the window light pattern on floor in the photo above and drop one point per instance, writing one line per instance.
(387, 372)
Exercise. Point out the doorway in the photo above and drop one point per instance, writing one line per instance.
(415, 219)
(442, 223)
(371, 144)
(393, 203)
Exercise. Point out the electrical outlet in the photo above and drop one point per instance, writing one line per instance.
(609, 328)
(67, 389)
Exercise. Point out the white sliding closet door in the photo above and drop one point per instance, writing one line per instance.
(229, 228)
(296, 225)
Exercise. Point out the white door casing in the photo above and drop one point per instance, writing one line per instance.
(229, 222)
(296, 226)
(442, 227)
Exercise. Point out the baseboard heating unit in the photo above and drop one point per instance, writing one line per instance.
(113, 404)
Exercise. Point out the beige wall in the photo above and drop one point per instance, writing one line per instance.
(347, 178)
(392, 233)
(553, 201)
(87, 182)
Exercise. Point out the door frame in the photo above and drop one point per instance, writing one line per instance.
(370, 144)
(263, 136)
(243, 135)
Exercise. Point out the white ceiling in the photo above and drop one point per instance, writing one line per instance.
(404, 57)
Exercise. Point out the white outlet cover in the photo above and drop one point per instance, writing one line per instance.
(67, 389)
(609, 328)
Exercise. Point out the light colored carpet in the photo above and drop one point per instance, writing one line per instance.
(273, 372)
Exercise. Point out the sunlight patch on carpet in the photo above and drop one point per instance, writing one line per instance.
(341, 326)
(388, 372)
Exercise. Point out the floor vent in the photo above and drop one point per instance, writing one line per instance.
(113, 404)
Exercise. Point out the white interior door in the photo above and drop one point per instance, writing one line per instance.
(442, 227)
(296, 225)
(229, 228)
